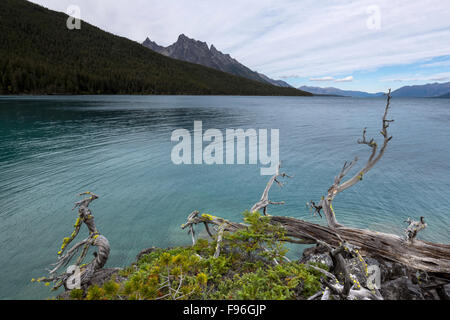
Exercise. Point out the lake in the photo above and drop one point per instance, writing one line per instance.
(119, 147)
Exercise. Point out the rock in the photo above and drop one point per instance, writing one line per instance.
(103, 275)
(317, 254)
(318, 249)
(323, 258)
(99, 278)
(398, 270)
(357, 269)
(431, 294)
(401, 289)
(386, 269)
(391, 270)
(444, 292)
(372, 262)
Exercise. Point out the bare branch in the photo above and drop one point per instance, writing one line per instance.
(374, 157)
(87, 201)
(95, 239)
(317, 208)
(414, 227)
(219, 240)
(264, 201)
(339, 186)
(195, 218)
(316, 295)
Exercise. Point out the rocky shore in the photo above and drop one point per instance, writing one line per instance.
(398, 282)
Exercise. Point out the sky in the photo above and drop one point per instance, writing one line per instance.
(352, 45)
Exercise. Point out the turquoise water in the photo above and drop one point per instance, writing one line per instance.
(119, 147)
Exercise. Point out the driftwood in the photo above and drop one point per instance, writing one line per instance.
(416, 254)
(87, 271)
(421, 255)
(376, 154)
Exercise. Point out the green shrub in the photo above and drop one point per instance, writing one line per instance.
(76, 294)
(245, 269)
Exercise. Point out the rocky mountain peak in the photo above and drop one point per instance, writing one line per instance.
(195, 51)
(152, 45)
(189, 44)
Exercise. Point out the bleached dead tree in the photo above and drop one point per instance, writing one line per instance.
(264, 202)
(376, 154)
(94, 239)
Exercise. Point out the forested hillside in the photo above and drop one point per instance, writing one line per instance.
(39, 55)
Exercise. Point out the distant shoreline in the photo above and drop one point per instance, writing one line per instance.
(199, 95)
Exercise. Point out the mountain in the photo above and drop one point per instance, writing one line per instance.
(279, 83)
(423, 91)
(39, 55)
(190, 50)
(440, 90)
(338, 92)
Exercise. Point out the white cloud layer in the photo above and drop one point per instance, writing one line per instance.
(346, 79)
(286, 37)
(439, 77)
(326, 79)
(322, 79)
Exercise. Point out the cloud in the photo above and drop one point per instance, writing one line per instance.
(436, 64)
(285, 37)
(322, 79)
(444, 76)
(440, 78)
(346, 79)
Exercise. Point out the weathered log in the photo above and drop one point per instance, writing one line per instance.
(418, 254)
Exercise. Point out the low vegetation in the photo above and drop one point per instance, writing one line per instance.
(251, 266)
